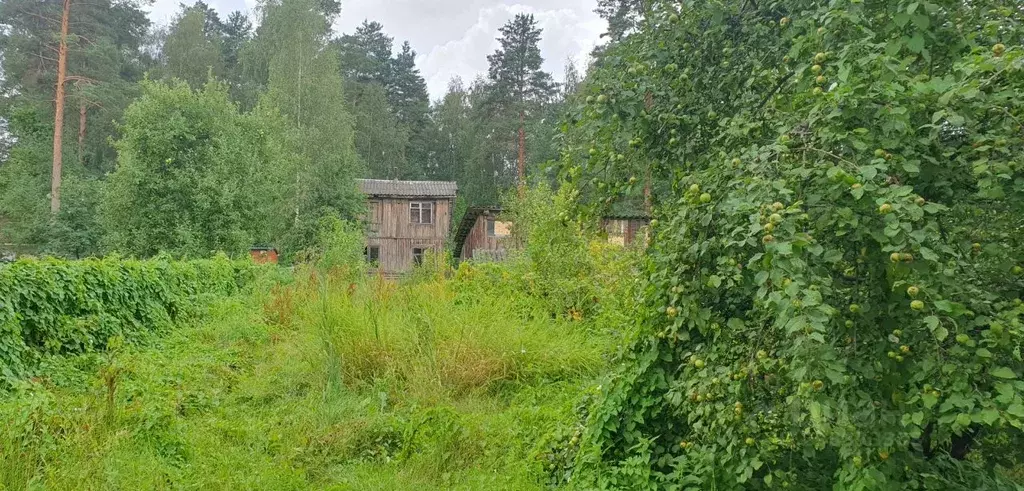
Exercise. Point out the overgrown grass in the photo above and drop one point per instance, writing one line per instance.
(323, 383)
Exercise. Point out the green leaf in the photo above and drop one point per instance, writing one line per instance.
(714, 281)
(941, 334)
(929, 400)
(1003, 372)
(869, 172)
(987, 416)
(916, 43)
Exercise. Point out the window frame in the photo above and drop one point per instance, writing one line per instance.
(491, 228)
(370, 256)
(417, 209)
(374, 209)
(417, 258)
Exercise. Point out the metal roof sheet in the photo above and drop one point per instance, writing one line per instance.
(383, 187)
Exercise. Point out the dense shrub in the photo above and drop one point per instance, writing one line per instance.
(51, 306)
(832, 296)
(559, 264)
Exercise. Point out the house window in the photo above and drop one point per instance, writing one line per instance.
(417, 256)
(374, 217)
(421, 212)
(373, 254)
(496, 228)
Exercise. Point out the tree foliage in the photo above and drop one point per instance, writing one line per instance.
(834, 283)
(190, 178)
(192, 52)
(305, 86)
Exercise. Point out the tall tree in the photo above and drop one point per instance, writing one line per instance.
(366, 54)
(58, 117)
(407, 90)
(379, 138)
(305, 86)
(410, 102)
(192, 50)
(368, 66)
(491, 166)
(519, 82)
(449, 134)
(191, 177)
(623, 16)
(101, 60)
(573, 78)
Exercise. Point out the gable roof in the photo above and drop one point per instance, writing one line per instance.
(467, 223)
(407, 189)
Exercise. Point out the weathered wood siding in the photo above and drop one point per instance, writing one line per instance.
(478, 240)
(392, 230)
(626, 231)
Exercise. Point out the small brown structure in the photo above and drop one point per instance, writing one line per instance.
(406, 219)
(482, 235)
(263, 255)
(626, 229)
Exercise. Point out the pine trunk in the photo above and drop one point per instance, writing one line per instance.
(58, 119)
(522, 152)
(81, 131)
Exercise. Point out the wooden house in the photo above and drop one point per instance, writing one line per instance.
(406, 219)
(482, 235)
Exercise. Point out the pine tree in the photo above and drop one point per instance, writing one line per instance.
(623, 16)
(407, 91)
(519, 83)
(366, 54)
(58, 54)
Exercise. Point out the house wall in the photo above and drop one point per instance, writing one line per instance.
(478, 240)
(392, 230)
(633, 230)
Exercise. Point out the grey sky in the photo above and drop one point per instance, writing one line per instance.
(454, 37)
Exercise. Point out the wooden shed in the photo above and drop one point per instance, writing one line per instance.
(482, 235)
(263, 254)
(626, 229)
(406, 219)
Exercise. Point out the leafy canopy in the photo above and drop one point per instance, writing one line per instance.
(834, 278)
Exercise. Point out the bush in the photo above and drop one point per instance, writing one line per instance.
(558, 262)
(832, 297)
(57, 307)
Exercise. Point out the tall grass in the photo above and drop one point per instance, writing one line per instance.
(431, 343)
(326, 378)
(321, 383)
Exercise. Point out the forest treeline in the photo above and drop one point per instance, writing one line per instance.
(215, 133)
